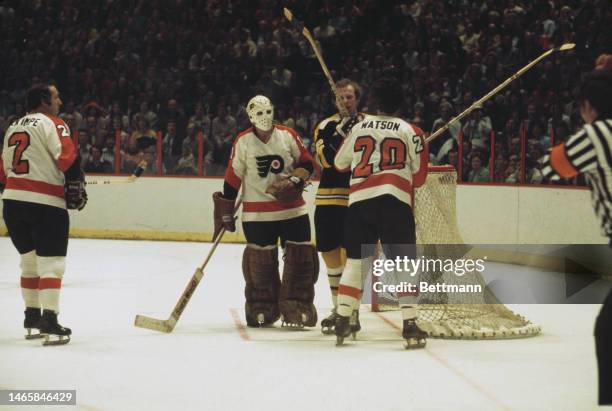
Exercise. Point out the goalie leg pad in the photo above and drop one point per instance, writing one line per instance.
(260, 269)
(297, 290)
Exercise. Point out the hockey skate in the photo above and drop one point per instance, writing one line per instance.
(32, 323)
(355, 324)
(329, 323)
(414, 336)
(342, 329)
(53, 333)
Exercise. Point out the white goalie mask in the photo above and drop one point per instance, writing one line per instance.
(261, 112)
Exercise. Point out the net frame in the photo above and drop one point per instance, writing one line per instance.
(436, 223)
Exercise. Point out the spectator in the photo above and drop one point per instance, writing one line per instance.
(222, 135)
(96, 164)
(144, 136)
(171, 146)
(108, 152)
(478, 173)
(186, 163)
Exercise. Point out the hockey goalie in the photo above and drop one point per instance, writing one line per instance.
(272, 166)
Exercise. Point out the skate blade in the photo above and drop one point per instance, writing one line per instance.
(339, 341)
(354, 335)
(61, 340)
(31, 336)
(413, 343)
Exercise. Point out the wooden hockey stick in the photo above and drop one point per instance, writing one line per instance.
(137, 173)
(438, 132)
(168, 325)
(299, 26)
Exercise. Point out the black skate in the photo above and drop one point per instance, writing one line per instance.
(32, 323)
(328, 324)
(414, 336)
(355, 325)
(54, 333)
(342, 329)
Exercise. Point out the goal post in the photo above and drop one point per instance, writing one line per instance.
(471, 316)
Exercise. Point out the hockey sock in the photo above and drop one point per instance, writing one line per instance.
(50, 283)
(29, 280)
(334, 261)
(349, 291)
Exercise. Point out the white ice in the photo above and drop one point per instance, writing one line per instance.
(212, 362)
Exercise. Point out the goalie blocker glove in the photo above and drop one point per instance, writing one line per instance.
(223, 214)
(290, 189)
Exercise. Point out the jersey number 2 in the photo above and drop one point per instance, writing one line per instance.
(392, 155)
(21, 141)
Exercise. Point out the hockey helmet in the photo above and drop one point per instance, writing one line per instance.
(261, 112)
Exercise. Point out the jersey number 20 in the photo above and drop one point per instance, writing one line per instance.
(392, 155)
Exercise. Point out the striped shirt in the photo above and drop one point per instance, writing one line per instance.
(589, 151)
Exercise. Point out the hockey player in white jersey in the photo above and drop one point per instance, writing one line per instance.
(383, 153)
(271, 165)
(43, 179)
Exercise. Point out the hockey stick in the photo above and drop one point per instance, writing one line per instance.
(438, 132)
(299, 26)
(168, 325)
(137, 173)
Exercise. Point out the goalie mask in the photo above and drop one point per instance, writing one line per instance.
(261, 112)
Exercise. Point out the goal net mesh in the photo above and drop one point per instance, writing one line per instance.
(451, 315)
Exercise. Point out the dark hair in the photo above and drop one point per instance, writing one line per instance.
(387, 95)
(596, 88)
(346, 82)
(36, 95)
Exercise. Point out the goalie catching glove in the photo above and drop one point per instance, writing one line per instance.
(223, 214)
(290, 189)
(76, 196)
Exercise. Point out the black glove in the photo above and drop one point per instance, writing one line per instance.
(76, 196)
(1, 188)
(344, 127)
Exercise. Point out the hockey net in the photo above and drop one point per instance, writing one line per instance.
(444, 315)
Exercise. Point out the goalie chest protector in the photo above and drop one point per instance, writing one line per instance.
(256, 165)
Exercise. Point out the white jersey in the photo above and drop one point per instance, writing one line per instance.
(256, 165)
(382, 153)
(37, 150)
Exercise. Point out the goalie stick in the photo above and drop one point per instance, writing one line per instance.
(168, 325)
(438, 132)
(137, 173)
(299, 26)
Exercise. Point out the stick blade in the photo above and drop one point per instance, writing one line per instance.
(295, 24)
(567, 46)
(165, 326)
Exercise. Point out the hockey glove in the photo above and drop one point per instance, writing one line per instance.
(1, 188)
(223, 214)
(344, 127)
(290, 189)
(76, 196)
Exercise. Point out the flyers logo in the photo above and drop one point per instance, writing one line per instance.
(271, 163)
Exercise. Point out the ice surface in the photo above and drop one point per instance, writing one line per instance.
(211, 361)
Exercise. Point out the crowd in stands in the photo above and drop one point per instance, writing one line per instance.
(139, 71)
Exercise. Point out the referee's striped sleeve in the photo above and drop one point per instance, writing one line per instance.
(580, 153)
